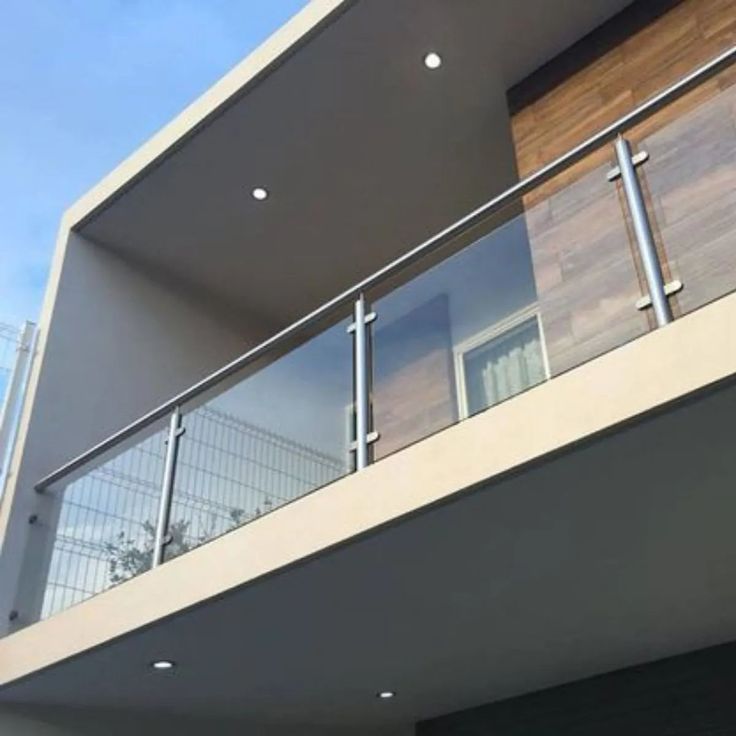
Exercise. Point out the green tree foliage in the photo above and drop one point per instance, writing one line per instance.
(130, 555)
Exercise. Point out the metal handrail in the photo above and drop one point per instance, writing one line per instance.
(494, 205)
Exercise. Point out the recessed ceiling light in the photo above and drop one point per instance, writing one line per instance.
(260, 194)
(386, 694)
(163, 664)
(433, 60)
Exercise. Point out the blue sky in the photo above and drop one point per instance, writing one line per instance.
(82, 84)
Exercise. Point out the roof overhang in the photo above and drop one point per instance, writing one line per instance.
(364, 150)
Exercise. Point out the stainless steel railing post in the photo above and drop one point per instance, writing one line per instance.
(643, 232)
(361, 382)
(167, 488)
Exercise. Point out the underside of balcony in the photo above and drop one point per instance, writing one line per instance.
(596, 555)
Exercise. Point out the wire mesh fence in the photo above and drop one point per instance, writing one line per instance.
(9, 343)
(229, 472)
(103, 533)
(16, 354)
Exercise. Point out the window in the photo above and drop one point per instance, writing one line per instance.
(500, 362)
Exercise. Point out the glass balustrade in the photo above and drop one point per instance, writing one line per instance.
(271, 436)
(554, 279)
(552, 286)
(99, 528)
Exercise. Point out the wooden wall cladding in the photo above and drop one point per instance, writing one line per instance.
(414, 381)
(586, 268)
(690, 187)
(594, 88)
(585, 273)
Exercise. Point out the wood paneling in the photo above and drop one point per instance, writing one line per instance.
(414, 377)
(576, 231)
(690, 183)
(587, 282)
(596, 90)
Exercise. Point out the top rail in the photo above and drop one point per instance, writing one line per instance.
(495, 204)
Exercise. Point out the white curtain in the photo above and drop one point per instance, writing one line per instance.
(514, 363)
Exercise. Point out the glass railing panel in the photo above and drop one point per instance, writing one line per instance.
(552, 282)
(432, 333)
(586, 267)
(552, 286)
(273, 436)
(102, 524)
(690, 182)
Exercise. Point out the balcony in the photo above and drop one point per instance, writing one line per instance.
(628, 232)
